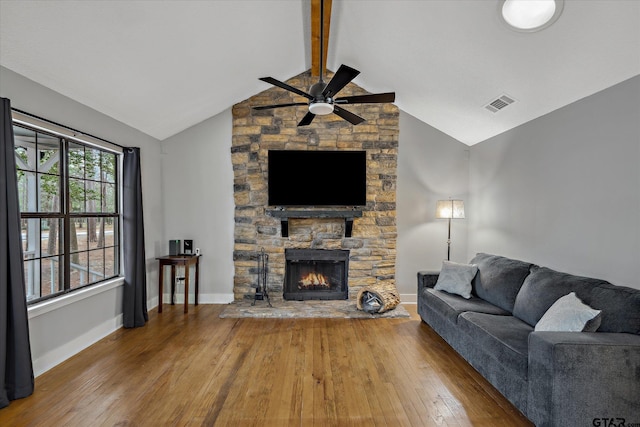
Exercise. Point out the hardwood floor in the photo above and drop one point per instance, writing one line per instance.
(198, 369)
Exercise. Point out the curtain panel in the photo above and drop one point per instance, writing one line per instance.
(135, 273)
(16, 368)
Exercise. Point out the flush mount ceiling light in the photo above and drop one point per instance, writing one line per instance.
(321, 108)
(530, 15)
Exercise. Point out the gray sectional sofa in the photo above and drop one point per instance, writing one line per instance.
(553, 378)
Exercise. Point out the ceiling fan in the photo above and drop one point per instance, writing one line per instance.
(322, 96)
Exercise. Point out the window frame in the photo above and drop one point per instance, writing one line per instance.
(66, 214)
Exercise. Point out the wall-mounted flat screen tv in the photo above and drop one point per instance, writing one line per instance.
(317, 178)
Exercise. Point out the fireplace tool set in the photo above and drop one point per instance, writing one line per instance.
(261, 286)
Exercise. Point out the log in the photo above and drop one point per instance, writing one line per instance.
(385, 297)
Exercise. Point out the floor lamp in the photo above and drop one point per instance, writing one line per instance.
(449, 209)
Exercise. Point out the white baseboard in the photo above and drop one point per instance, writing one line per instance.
(152, 303)
(215, 298)
(408, 298)
(202, 299)
(54, 357)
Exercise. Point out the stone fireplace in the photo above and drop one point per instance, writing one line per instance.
(369, 237)
(316, 274)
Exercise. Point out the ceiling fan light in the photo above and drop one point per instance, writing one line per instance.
(530, 15)
(321, 108)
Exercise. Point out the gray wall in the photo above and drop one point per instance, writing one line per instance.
(197, 179)
(58, 333)
(431, 166)
(564, 190)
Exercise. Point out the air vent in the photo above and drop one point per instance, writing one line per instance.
(499, 103)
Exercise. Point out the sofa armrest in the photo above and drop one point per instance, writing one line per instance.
(427, 279)
(579, 378)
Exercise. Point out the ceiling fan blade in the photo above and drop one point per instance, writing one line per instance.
(266, 107)
(375, 98)
(285, 86)
(307, 119)
(348, 116)
(341, 78)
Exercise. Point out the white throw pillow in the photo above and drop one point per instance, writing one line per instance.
(456, 278)
(568, 314)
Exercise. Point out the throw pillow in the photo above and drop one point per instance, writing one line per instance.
(569, 314)
(456, 278)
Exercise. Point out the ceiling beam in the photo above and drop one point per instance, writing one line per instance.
(315, 36)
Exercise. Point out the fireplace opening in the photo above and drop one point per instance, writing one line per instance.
(316, 274)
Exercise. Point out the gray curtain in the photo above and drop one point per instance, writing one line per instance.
(16, 369)
(135, 274)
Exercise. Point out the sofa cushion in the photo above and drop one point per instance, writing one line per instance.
(504, 338)
(450, 306)
(620, 305)
(456, 278)
(569, 314)
(499, 279)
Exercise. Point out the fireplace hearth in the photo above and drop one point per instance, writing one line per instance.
(316, 274)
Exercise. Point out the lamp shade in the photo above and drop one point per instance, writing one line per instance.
(450, 209)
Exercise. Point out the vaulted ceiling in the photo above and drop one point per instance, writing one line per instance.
(163, 66)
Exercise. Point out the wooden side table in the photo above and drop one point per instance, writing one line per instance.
(173, 261)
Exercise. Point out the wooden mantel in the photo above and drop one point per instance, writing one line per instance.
(285, 214)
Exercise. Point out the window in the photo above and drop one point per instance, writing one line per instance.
(70, 220)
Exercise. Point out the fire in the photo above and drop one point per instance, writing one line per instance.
(314, 281)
